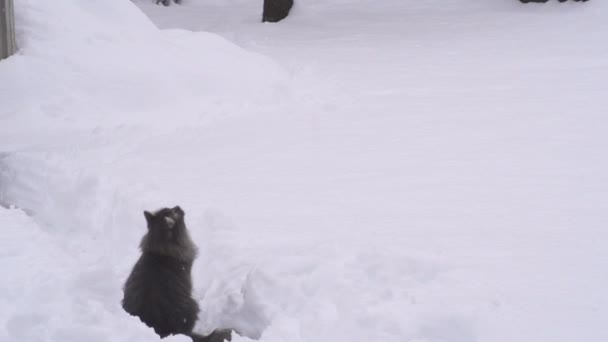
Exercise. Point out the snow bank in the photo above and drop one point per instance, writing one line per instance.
(90, 63)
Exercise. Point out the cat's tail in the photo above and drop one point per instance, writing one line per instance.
(215, 336)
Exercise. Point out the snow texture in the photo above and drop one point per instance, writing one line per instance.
(396, 170)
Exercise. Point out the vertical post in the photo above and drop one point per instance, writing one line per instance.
(7, 29)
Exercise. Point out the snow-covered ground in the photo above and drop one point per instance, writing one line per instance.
(362, 171)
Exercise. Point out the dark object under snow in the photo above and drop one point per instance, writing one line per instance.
(526, 1)
(276, 10)
(167, 2)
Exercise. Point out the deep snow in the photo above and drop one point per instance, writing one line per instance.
(362, 171)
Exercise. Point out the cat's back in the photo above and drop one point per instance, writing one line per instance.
(158, 291)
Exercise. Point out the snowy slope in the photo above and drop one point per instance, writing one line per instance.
(395, 170)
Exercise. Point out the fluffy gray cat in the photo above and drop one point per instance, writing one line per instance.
(159, 288)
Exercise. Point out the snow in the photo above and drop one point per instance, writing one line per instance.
(361, 171)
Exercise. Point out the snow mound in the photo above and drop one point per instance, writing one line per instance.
(90, 63)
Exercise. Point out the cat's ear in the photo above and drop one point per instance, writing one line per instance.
(148, 215)
(178, 211)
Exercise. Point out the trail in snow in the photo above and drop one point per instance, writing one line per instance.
(399, 170)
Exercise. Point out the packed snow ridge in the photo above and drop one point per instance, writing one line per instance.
(361, 171)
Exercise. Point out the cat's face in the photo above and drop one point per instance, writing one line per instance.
(165, 223)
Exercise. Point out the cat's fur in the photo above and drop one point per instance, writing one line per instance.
(159, 288)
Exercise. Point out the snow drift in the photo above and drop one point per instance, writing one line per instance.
(90, 63)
